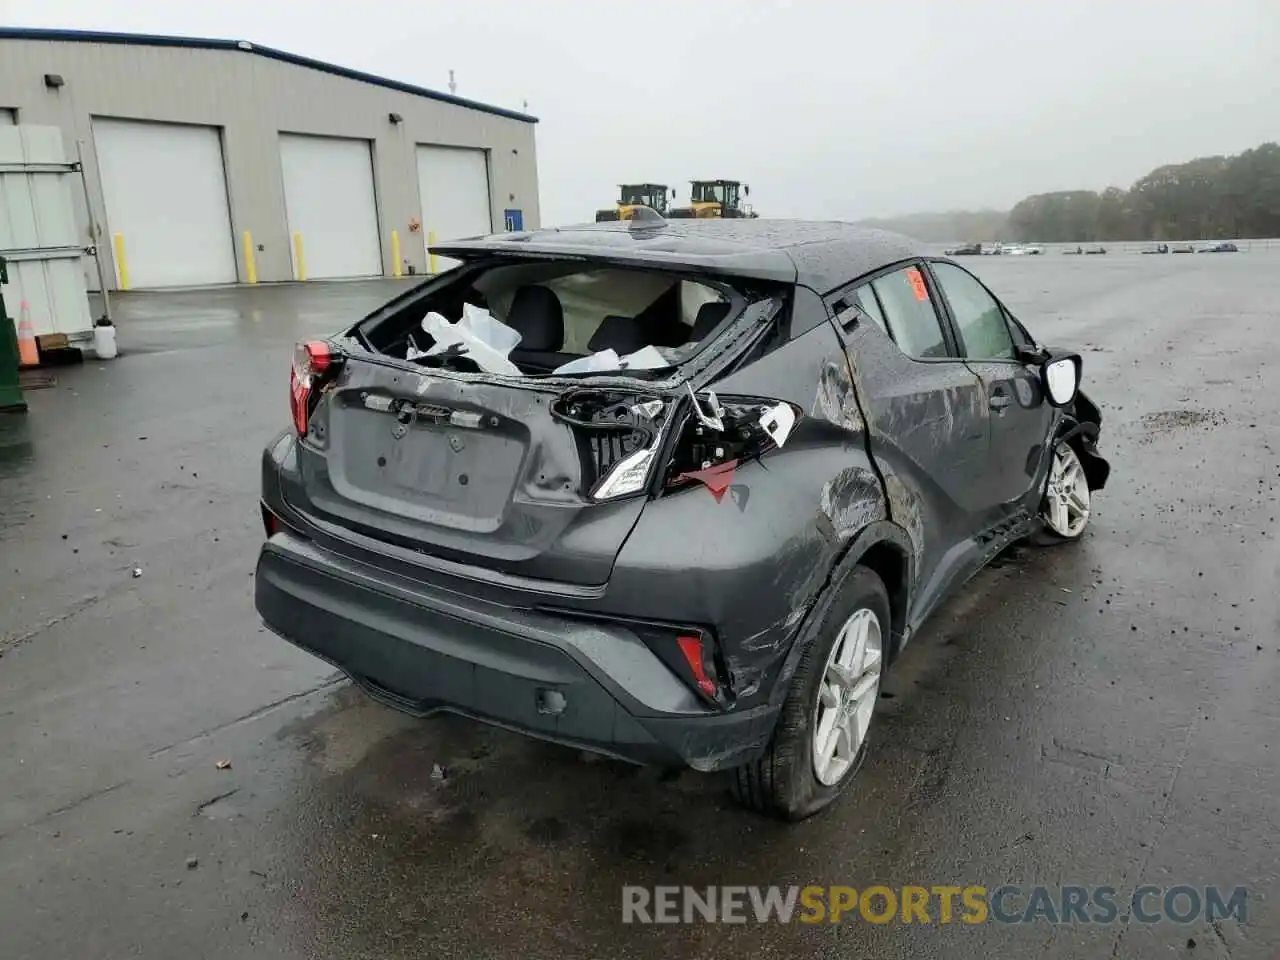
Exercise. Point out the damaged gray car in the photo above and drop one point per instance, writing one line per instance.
(676, 492)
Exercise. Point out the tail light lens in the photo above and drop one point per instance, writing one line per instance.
(313, 363)
(692, 655)
(691, 648)
(617, 433)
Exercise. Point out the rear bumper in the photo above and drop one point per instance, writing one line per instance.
(422, 650)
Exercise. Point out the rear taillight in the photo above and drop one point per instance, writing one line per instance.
(270, 522)
(312, 363)
(720, 434)
(621, 438)
(691, 648)
(617, 432)
(692, 655)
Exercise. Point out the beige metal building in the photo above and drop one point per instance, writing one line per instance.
(219, 161)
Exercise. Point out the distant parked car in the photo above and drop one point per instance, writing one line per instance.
(965, 250)
(1096, 250)
(1222, 246)
(1182, 248)
(1158, 248)
(1013, 250)
(1033, 250)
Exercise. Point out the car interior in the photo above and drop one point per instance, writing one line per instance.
(565, 311)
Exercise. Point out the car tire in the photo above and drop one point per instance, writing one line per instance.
(785, 782)
(1066, 494)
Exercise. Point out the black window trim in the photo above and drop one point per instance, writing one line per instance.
(841, 302)
(1015, 336)
(943, 315)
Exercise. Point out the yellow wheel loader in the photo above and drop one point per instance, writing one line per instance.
(716, 198)
(634, 195)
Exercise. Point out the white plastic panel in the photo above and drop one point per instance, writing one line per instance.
(54, 293)
(166, 192)
(453, 188)
(38, 235)
(329, 199)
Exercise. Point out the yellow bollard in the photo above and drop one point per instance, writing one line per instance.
(396, 266)
(300, 259)
(431, 242)
(122, 261)
(250, 262)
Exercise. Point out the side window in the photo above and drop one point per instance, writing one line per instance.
(909, 313)
(864, 299)
(1021, 338)
(984, 334)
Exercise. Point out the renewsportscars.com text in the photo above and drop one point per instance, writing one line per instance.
(971, 904)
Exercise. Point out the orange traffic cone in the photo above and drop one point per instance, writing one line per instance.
(28, 353)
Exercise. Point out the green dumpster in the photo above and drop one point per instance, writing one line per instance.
(10, 389)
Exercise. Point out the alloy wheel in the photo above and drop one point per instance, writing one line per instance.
(847, 696)
(1066, 501)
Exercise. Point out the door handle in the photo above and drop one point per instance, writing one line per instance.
(998, 401)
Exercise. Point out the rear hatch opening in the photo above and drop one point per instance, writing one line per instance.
(419, 437)
(547, 317)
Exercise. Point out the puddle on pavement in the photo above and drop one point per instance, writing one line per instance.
(404, 825)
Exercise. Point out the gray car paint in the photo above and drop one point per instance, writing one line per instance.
(820, 255)
(936, 439)
(890, 455)
(536, 524)
(761, 555)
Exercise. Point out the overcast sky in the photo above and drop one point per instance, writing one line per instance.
(846, 109)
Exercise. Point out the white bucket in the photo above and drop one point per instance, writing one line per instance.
(104, 342)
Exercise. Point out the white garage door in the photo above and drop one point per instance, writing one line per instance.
(166, 194)
(453, 185)
(328, 195)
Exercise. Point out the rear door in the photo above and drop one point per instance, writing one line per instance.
(1017, 415)
(926, 423)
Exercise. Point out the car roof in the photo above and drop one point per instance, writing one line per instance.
(821, 254)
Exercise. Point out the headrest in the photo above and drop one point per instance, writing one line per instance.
(538, 317)
(623, 334)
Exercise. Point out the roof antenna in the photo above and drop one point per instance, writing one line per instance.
(645, 217)
(453, 86)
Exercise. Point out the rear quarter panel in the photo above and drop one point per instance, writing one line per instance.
(752, 564)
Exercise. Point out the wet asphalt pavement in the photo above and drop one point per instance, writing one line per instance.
(1098, 714)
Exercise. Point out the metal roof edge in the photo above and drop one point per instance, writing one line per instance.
(246, 46)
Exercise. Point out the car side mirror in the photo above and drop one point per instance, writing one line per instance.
(1060, 377)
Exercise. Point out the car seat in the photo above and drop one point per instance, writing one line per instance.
(537, 315)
